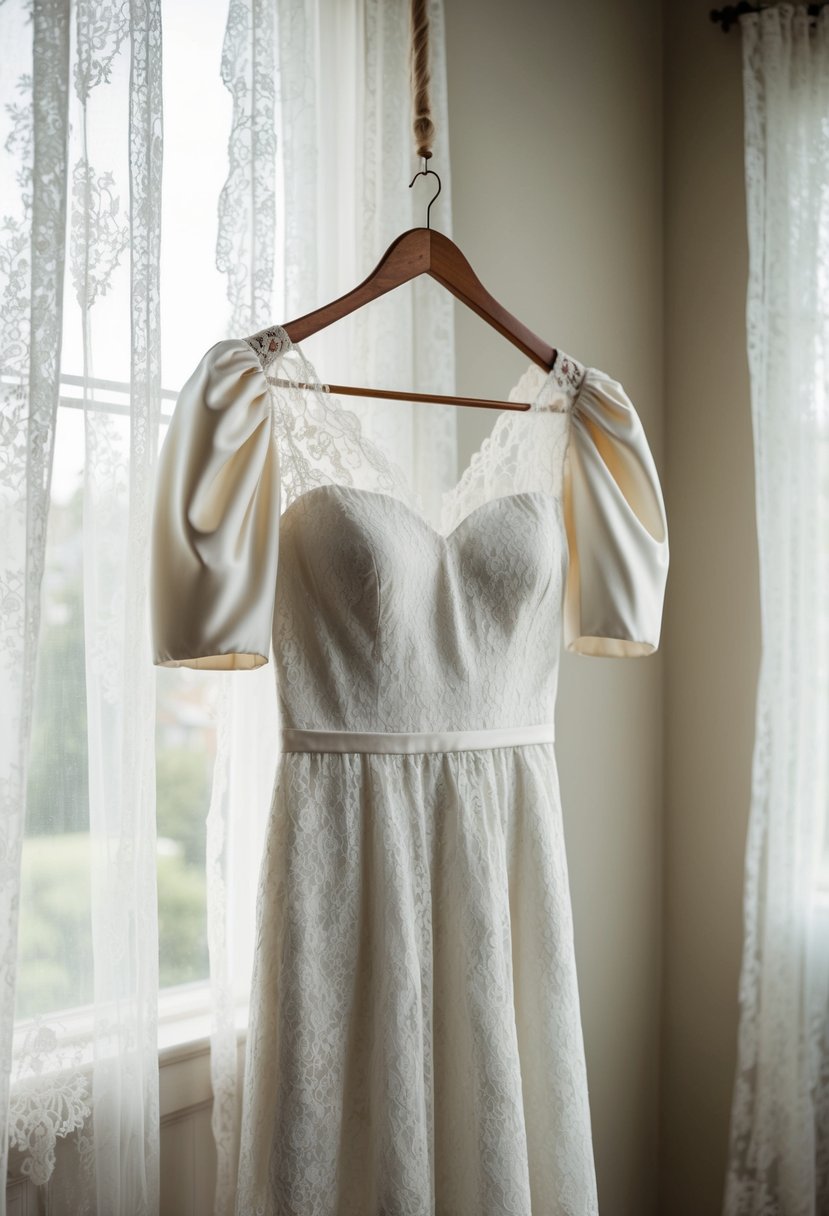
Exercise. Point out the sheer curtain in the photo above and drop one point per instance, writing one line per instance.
(340, 169)
(779, 1149)
(80, 243)
(305, 167)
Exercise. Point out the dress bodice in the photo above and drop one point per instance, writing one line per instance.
(384, 624)
(278, 522)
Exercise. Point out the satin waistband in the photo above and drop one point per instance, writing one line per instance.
(296, 739)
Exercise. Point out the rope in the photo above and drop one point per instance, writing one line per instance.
(424, 128)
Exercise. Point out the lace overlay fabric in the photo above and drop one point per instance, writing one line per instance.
(415, 1041)
(320, 440)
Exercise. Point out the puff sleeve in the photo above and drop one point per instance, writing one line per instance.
(216, 518)
(616, 527)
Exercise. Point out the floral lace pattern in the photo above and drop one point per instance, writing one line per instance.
(414, 1038)
(31, 261)
(50, 1102)
(245, 241)
(319, 440)
(523, 450)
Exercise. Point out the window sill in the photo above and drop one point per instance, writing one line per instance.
(184, 1028)
(185, 1023)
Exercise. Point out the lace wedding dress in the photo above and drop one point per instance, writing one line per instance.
(414, 1043)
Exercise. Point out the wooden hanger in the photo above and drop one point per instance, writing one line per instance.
(423, 251)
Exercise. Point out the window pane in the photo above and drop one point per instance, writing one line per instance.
(55, 938)
(184, 758)
(55, 941)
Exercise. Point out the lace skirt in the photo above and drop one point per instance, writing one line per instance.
(414, 1042)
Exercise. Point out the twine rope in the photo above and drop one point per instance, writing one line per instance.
(424, 128)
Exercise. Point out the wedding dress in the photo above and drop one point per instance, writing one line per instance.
(414, 1044)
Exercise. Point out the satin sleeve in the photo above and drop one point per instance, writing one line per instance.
(617, 529)
(215, 526)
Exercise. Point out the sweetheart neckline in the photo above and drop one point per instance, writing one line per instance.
(444, 537)
(452, 493)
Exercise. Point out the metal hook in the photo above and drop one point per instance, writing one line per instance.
(425, 173)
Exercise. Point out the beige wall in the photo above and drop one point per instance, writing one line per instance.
(635, 261)
(555, 139)
(712, 621)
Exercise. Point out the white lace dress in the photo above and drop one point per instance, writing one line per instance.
(414, 1045)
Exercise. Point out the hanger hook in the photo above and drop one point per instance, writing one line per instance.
(425, 172)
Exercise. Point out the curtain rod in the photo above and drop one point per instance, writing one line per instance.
(731, 14)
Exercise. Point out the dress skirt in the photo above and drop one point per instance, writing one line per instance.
(415, 1045)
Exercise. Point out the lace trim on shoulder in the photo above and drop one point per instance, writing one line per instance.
(269, 344)
(556, 389)
(568, 373)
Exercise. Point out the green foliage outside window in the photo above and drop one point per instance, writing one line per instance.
(55, 941)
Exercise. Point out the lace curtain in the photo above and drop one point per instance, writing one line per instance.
(79, 284)
(779, 1145)
(306, 171)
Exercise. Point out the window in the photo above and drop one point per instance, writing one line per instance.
(55, 975)
(55, 948)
